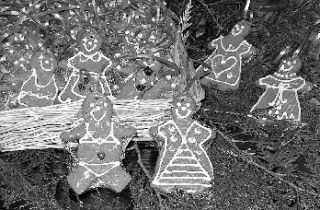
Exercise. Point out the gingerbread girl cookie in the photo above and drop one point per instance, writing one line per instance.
(282, 91)
(88, 60)
(40, 88)
(226, 60)
(100, 147)
(183, 163)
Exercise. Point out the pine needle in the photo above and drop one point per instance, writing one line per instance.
(184, 22)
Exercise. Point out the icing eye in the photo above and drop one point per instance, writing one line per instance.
(91, 105)
(179, 104)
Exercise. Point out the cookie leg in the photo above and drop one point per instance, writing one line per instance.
(80, 179)
(116, 179)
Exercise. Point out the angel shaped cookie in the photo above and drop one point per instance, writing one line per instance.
(281, 93)
(183, 163)
(40, 88)
(88, 63)
(100, 147)
(226, 60)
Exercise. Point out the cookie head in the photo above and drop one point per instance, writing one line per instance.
(96, 107)
(242, 28)
(44, 61)
(144, 79)
(90, 42)
(290, 66)
(183, 107)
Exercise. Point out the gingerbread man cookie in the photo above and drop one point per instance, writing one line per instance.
(100, 147)
(226, 60)
(282, 91)
(40, 88)
(183, 163)
(91, 61)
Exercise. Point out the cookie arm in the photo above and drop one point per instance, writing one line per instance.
(121, 131)
(73, 135)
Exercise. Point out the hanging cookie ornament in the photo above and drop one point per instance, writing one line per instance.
(226, 59)
(99, 148)
(91, 61)
(40, 88)
(183, 163)
(281, 94)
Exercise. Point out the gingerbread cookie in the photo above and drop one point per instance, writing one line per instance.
(226, 60)
(282, 91)
(99, 147)
(88, 63)
(183, 163)
(40, 88)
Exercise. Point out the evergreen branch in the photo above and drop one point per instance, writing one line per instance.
(211, 13)
(184, 22)
(15, 187)
(249, 160)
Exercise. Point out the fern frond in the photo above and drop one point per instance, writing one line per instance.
(184, 21)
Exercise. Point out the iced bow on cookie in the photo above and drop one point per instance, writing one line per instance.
(100, 147)
(281, 91)
(40, 88)
(226, 60)
(183, 163)
(90, 64)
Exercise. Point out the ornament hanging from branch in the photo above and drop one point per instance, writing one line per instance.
(226, 59)
(281, 94)
(282, 88)
(183, 162)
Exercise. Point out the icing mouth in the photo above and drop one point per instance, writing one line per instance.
(238, 30)
(46, 64)
(92, 113)
(282, 68)
(90, 48)
(182, 116)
